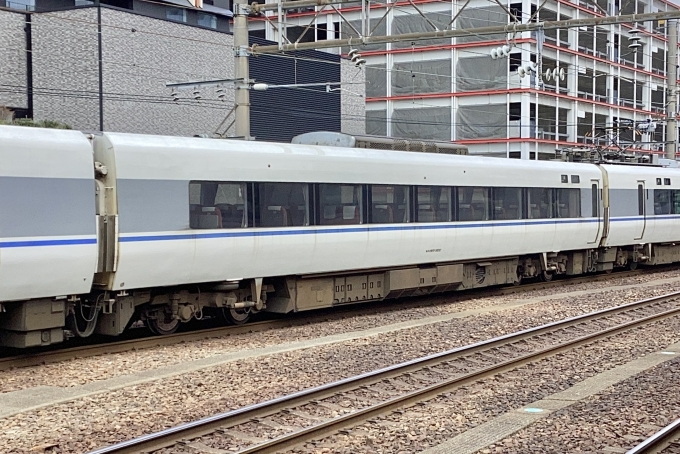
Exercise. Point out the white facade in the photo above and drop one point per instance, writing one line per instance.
(451, 89)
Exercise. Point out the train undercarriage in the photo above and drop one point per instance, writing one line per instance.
(48, 321)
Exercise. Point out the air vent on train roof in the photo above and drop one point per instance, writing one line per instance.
(337, 139)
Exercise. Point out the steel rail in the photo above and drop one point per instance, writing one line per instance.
(658, 441)
(86, 351)
(195, 429)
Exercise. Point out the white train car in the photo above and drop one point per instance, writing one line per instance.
(98, 232)
(644, 208)
(238, 212)
(48, 245)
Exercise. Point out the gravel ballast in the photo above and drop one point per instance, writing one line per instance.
(87, 370)
(107, 418)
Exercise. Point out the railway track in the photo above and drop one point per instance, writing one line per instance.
(666, 438)
(315, 413)
(40, 357)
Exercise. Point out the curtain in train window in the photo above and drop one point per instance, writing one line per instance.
(540, 203)
(507, 203)
(433, 204)
(389, 204)
(568, 203)
(339, 204)
(283, 204)
(662, 201)
(473, 204)
(214, 205)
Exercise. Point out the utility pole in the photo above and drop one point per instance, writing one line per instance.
(241, 70)
(672, 73)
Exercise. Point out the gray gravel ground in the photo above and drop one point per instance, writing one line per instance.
(579, 428)
(107, 418)
(86, 370)
(621, 417)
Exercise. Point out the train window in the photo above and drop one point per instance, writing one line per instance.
(658, 181)
(568, 203)
(433, 204)
(214, 205)
(507, 203)
(575, 179)
(667, 181)
(676, 201)
(565, 179)
(662, 201)
(339, 204)
(540, 203)
(473, 204)
(641, 200)
(283, 204)
(595, 202)
(389, 204)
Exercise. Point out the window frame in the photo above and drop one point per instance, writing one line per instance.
(370, 206)
(245, 187)
(449, 205)
(259, 197)
(360, 199)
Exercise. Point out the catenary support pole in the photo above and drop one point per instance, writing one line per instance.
(241, 70)
(672, 73)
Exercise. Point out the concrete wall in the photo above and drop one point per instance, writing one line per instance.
(13, 60)
(352, 98)
(141, 54)
(65, 67)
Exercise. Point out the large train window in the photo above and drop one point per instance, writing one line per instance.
(339, 204)
(473, 204)
(389, 204)
(676, 201)
(540, 203)
(662, 201)
(507, 203)
(568, 202)
(216, 205)
(282, 204)
(433, 204)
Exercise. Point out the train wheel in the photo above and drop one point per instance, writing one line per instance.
(632, 265)
(236, 316)
(546, 276)
(162, 327)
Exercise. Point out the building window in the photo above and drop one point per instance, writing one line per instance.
(207, 20)
(176, 14)
(23, 5)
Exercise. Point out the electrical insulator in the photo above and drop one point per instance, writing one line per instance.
(355, 57)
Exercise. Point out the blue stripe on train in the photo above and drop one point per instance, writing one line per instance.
(312, 231)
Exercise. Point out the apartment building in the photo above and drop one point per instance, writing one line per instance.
(451, 89)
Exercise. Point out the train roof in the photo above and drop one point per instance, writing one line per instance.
(338, 139)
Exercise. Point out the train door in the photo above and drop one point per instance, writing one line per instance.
(641, 222)
(596, 209)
